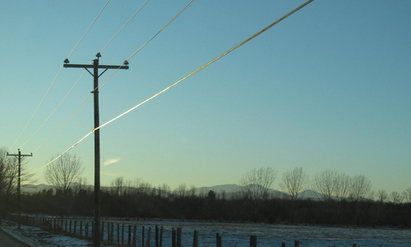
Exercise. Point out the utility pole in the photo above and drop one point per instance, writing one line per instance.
(95, 66)
(19, 155)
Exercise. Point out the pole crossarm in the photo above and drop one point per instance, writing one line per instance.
(96, 66)
(19, 155)
(92, 66)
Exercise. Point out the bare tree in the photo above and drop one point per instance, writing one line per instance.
(360, 187)
(63, 172)
(142, 187)
(181, 191)
(294, 182)
(396, 197)
(257, 182)
(163, 190)
(407, 195)
(382, 196)
(342, 186)
(9, 177)
(118, 186)
(325, 183)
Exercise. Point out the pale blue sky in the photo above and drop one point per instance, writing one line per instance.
(328, 88)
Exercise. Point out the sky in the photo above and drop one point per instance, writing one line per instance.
(328, 88)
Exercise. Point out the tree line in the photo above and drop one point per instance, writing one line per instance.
(340, 199)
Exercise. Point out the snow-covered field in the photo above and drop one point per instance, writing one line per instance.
(234, 235)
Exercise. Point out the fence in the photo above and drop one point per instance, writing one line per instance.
(125, 234)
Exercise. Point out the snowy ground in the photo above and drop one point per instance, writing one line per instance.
(34, 236)
(234, 235)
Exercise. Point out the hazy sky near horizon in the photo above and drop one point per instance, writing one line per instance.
(327, 88)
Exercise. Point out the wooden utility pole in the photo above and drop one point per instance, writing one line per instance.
(19, 155)
(95, 66)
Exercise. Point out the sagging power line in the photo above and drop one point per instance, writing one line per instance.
(52, 83)
(172, 85)
(81, 105)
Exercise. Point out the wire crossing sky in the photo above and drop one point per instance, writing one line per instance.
(174, 84)
(328, 89)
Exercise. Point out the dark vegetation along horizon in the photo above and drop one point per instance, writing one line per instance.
(332, 198)
(191, 204)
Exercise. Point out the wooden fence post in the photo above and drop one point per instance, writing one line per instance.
(253, 241)
(354, 245)
(75, 227)
(112, 232)
(118, 233)
(102, 231)
(70, 227)
(283, 244)
(129, 234)
(161, 237)
(218, 238)
(156, 236)
(148, 236)
(92, 230)
(134, 236)
(142, 238)
(173, 238)
(179, 233)
(122, 234)
(81, 228)
(86, 230)
(296, 243)
(195, 239)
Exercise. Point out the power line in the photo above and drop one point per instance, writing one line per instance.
(74, 113)
(41, 126)
(175, 17)
(71, 116)
(88, 29)
(55, 78)
(34, 113)
(123, 26)
(174, 84)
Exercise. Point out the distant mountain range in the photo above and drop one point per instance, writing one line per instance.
(229, 190)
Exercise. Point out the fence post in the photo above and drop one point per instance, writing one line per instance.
(156, 236)
(296, 243)
(75, 227)
(70, 227)
(148, 236)
(118, 233)
(129, 234)
(134, 236)
(173, 238)
(102, 231)
(86, 230)
(253, 241)
(92, 229)
(112, 232)
(179, 233)
(283, 244)
(354, 245)
(81, 228)
(142, 238)
(218, 240)
(122, 234)
(161, 237)
(195, 240)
